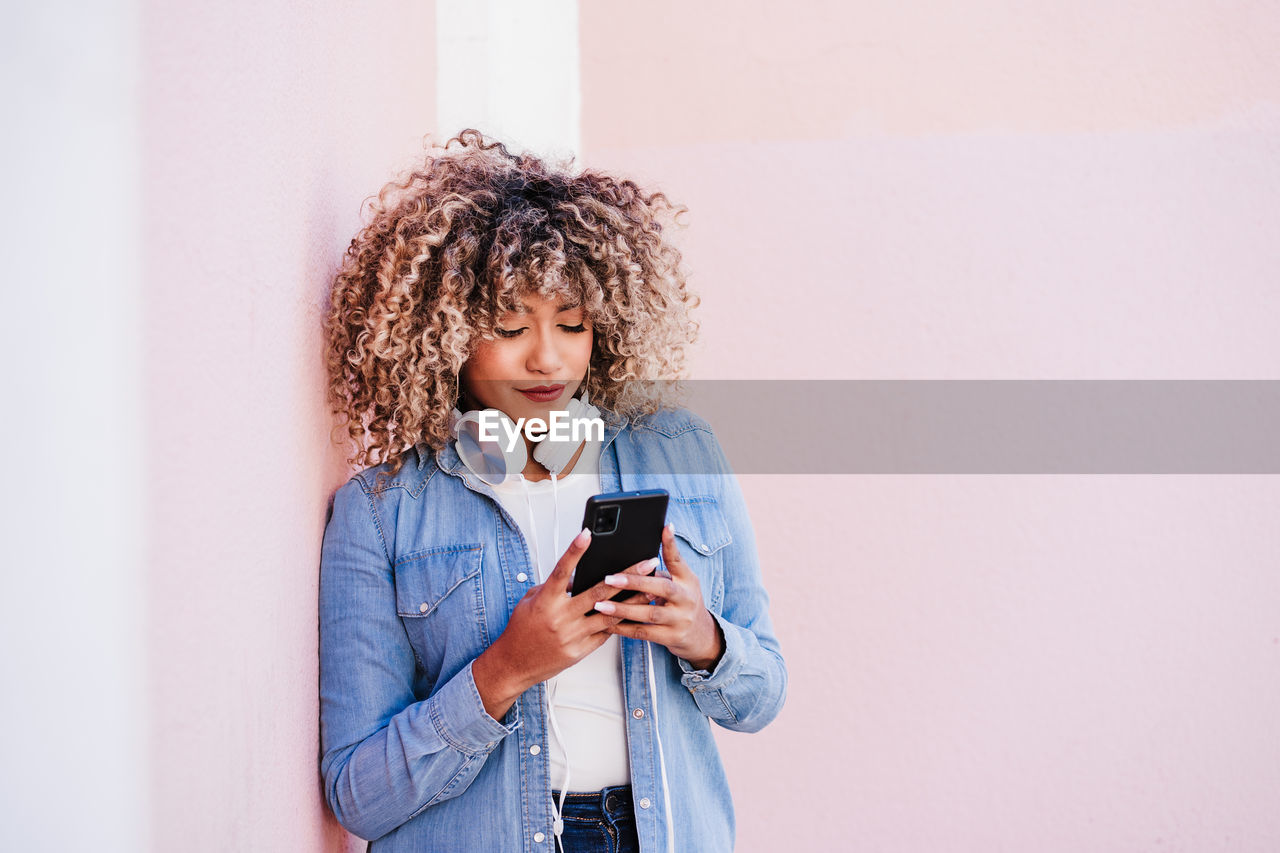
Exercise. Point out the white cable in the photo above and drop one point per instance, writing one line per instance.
(555, 525)
(557, 827)
(662, 764)
(533, 527)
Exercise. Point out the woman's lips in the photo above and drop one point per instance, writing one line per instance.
(542, 393)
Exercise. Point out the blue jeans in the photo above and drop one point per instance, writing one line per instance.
(599, 821)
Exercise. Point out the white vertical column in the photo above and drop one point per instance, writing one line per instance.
(73, 691)
(510, 69)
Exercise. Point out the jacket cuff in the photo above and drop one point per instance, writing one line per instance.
(458, 714)
(726, 670)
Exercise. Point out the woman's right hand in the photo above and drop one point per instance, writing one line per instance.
(549, 631)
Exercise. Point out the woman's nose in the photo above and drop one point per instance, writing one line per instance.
(544, 357)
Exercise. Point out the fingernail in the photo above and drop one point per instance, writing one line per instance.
(582, 538)
(615, 580)
(606, 607)
(651, 565)
(671, 528)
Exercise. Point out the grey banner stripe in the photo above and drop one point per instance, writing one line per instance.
(993, 426)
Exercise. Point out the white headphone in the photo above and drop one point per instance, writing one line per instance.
(493, 463)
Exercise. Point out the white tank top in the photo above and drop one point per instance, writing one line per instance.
(586, 699)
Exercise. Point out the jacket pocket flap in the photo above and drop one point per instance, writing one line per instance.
(426, 578)
(700, 523)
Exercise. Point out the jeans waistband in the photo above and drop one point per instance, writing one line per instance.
(612, 802)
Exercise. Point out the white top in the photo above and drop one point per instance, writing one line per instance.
(586, 699)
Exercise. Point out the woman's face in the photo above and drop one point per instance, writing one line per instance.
(547, 346)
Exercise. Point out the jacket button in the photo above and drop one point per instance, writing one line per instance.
(638, 713)
(423, 607)
(535, 749)
(522, 577)
(539, 837)
(704, 548)
(644, 802)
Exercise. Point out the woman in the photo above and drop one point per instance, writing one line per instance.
(468, 702)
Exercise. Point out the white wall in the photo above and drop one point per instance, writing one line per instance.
(73, 701)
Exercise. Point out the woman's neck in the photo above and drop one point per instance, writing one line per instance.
(535, 471)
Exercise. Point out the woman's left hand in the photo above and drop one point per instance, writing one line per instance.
(677, 617)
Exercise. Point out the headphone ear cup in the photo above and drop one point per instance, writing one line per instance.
(490, 460)
(555, 455)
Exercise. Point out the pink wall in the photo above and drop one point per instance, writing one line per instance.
(1049, 663)
(999, 190)
(264, 126)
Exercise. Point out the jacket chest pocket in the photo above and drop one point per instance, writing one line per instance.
(703, 536)
(440, 599)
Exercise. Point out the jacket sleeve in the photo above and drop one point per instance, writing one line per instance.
(748, 686)
(385, 755)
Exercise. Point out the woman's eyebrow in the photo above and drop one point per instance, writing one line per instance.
(524, 310)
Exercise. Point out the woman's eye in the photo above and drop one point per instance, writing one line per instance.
(507, 333)
(581, 327)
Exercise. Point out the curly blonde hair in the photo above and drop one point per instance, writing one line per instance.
(455, 243)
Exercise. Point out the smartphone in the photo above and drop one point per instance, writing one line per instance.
(626, 527)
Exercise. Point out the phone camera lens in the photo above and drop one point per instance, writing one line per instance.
(607, 519)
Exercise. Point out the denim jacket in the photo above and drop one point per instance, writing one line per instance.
(421, 573)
